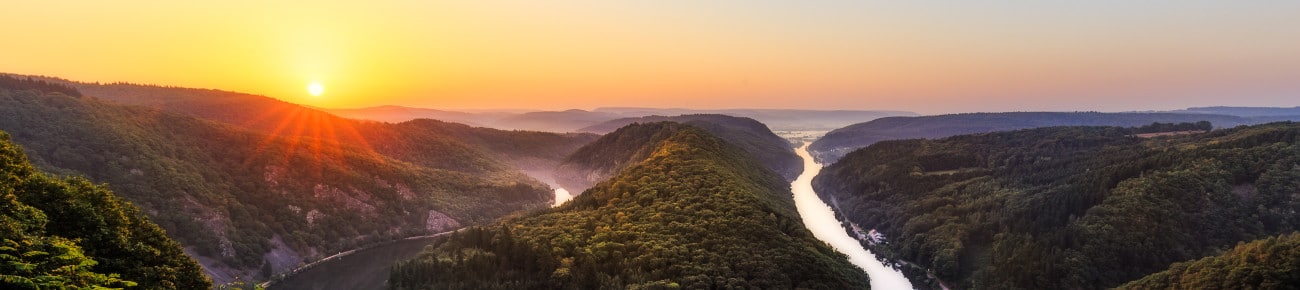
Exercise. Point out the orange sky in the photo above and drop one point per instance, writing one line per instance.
(924, 56)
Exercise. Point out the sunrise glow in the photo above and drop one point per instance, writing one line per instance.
(923, 56)
(315, 89)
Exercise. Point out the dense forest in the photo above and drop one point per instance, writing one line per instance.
(71, 234)
(467, 149)
(1068, 207)
(1263, 264)
(28, 83)
(844, 140)
(695, 212)
(751, 135)
(602, 159)
(520, 149)
(250, 205)
(1202, 126)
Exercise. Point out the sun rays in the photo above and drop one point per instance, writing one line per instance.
(320, 137)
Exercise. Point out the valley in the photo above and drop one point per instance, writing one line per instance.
(365, 268)
(688, 201)
(824, 223)
(649, 145)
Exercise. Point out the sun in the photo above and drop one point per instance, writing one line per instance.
(315, 89)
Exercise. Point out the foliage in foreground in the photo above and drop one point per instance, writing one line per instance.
(1272, 263)
(57, 234)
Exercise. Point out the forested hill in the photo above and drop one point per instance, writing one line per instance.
(520, 149)
(1068, 207)
(71, 234)
(426, 144)
(695, 212)
(841, 141)
(1263, 264)
(606, 156)
(752, 136)
(248, 204)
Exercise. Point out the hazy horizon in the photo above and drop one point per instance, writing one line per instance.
(929, 57)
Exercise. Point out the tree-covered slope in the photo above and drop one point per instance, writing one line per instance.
(249, 204)
(841, 141)
(752, 136)
(693, 212)
(1272, 263)
(606, 156)
(519, 149)
(1068, 207)
(69, 233)
(438, 145)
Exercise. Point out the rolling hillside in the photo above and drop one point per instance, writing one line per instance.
(844, 140)
(777, 119)
(693, 212)
(1068, 207)
(1262, 264)
(58, 233)
(458, 147)
(755, 137)
(606, 156)
(249, 204)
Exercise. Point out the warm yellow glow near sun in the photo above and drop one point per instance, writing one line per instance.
(315, 89)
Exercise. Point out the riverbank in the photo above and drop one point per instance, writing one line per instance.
(404, 245)
(819, 218)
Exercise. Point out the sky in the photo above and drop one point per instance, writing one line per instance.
(921, 56)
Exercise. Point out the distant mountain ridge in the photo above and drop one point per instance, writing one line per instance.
(777, 119)
(838, 142)
(398, 114)
(571, 120)
(1243, 111)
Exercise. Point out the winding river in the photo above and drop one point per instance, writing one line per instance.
(363, 269)
(820, 219)
(368, 268)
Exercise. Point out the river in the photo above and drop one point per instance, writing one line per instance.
(561, 195)
(363, 269)
(368, 268)
(820, 219)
